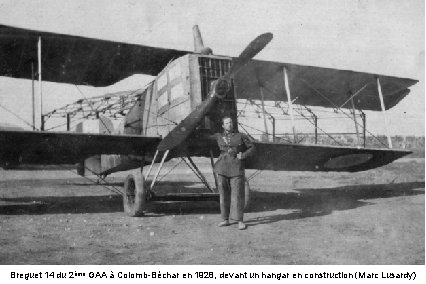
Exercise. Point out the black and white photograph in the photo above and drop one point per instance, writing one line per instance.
(183, 132)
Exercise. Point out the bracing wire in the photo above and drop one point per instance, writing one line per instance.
(18, 117)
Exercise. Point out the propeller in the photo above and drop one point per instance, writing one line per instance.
(218, 91)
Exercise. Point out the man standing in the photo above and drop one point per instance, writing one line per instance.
(234, 148)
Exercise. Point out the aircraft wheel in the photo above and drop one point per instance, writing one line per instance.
(247, 193)
(135, 195)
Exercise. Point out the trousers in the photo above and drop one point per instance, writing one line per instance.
(231, 190)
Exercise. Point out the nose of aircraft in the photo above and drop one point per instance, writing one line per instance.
(186, 126)
(221, 87)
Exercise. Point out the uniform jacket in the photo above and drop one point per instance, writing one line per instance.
(230, 145)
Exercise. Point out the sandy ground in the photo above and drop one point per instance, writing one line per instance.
(372, 217)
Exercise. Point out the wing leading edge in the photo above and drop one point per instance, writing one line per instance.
(48, 148)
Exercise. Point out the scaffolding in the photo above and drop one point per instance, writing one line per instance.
(113, 105)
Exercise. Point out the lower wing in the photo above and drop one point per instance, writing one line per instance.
(33, 147)
(299, 157)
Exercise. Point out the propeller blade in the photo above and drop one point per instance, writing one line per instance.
(254, 47)
(186, 126)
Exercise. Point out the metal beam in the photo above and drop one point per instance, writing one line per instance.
(273, 127)
(290, 103)
(42, 123)
(382, 104)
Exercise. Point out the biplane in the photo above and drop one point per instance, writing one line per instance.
(176, 113)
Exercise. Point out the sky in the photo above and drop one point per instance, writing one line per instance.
(381, 36)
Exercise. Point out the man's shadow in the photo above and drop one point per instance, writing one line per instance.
(312, 202)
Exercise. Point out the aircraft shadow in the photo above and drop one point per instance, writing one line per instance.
(306, 202)
(94, 183)
(312, 202)
(107, 203)
(61, 204)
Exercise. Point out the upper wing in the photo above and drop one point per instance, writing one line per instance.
(88, 61)
(77, 60)
(31, 147)
(298, 157)
(316, 86)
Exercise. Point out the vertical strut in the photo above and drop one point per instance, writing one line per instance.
(382, 104)
(273, 128)
(33, 94)
(68, 122)
(364, 125)
(316, 127)
(42, 123)
(264, 113)
(290, 104)
(39, 80)
(356, 123)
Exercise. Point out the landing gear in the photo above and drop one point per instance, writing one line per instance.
(135, 194)
(138, 193)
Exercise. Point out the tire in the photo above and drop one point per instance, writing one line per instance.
(135, 195)
(247, 193)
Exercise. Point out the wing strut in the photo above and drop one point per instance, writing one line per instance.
(264, 113)
(382, 104)
(33, 95)
(40, 90)
(355, 122)
(290, 104)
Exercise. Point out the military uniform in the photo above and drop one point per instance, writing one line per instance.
(230, 172)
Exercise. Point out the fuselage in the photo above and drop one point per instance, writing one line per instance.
(177, 90)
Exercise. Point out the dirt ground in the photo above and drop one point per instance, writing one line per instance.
(372, 217)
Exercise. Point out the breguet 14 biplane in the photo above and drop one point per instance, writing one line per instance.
(176, 113)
